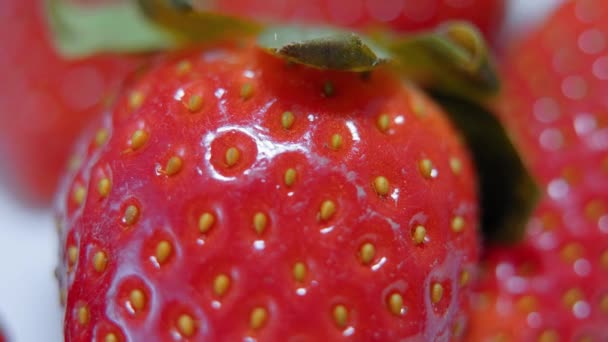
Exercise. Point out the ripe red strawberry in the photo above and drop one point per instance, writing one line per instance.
(45, 100)
(555, 285)
(397, 14)
(230, 195)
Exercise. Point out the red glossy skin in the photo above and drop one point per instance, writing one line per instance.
(399, 15)
(556, 282)
(45, 101)
(260, 265)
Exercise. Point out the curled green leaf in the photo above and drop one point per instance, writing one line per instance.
(508, 192)
(453, 60)
(323, 48)
(192, 25)
(80, 31)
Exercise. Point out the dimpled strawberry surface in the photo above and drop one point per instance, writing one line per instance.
(228, 194)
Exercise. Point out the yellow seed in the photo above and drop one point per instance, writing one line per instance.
(419, 234)
(436, 292)
(290, 176)
(163, 251)
(548, 336)
(83, 315)
(111, 337)
(174, 166)
(131, 215)
(185, 325)
(247, 91)
(604, 260)
(367, 253)
(100, 261)
(328, 89)
(260, 221)
(137, 299)
(595, 209)
(136, 99)
(457, 224)
(383, 123)
(417, 106)
(221, 283)
(299, 271)
(72, 255)
(101, 137)
(232, 156)
(381, 185)
(527, 304)
(455, 165)
(458, 330)
(287, 120)
(395, 304)
(571, 297)
(604, 304)
(183, 67)
(138, 139)
(79, 194)
(328, 208)
(258, 317)
(426, 168)
(205, 222)
(571, 252)
(195, 103)
(465, 276)
(336, 141)
(340, 315)
(103, 187)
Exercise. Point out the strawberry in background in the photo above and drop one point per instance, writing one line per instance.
(45, 101)
(400, 15)
(554, 286)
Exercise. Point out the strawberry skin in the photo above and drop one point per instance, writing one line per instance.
(45, 100)
(555, 285)
(401, 15)
(229, 194)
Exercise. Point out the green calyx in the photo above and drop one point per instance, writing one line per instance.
(452, 62)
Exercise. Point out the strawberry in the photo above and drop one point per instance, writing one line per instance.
(45, 100)
(229, 195)
(487, 15)
(554, 286)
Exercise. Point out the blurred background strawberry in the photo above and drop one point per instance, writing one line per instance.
(45, 100)
(554, 286)
(398, 15)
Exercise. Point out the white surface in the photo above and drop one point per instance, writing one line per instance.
(29, 304)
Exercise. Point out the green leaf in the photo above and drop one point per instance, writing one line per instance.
(323, 48)
(192, 25)
(453, 60)
(80, 31)
(508, 193)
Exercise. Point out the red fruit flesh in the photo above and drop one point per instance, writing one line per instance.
(397, 14)
(555, 286)
(211, 214)
(45, 100)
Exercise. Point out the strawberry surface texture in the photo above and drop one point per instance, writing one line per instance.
(228, 194)
(554, 286)
(45, 100)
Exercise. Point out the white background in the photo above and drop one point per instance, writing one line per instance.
(29, 303)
